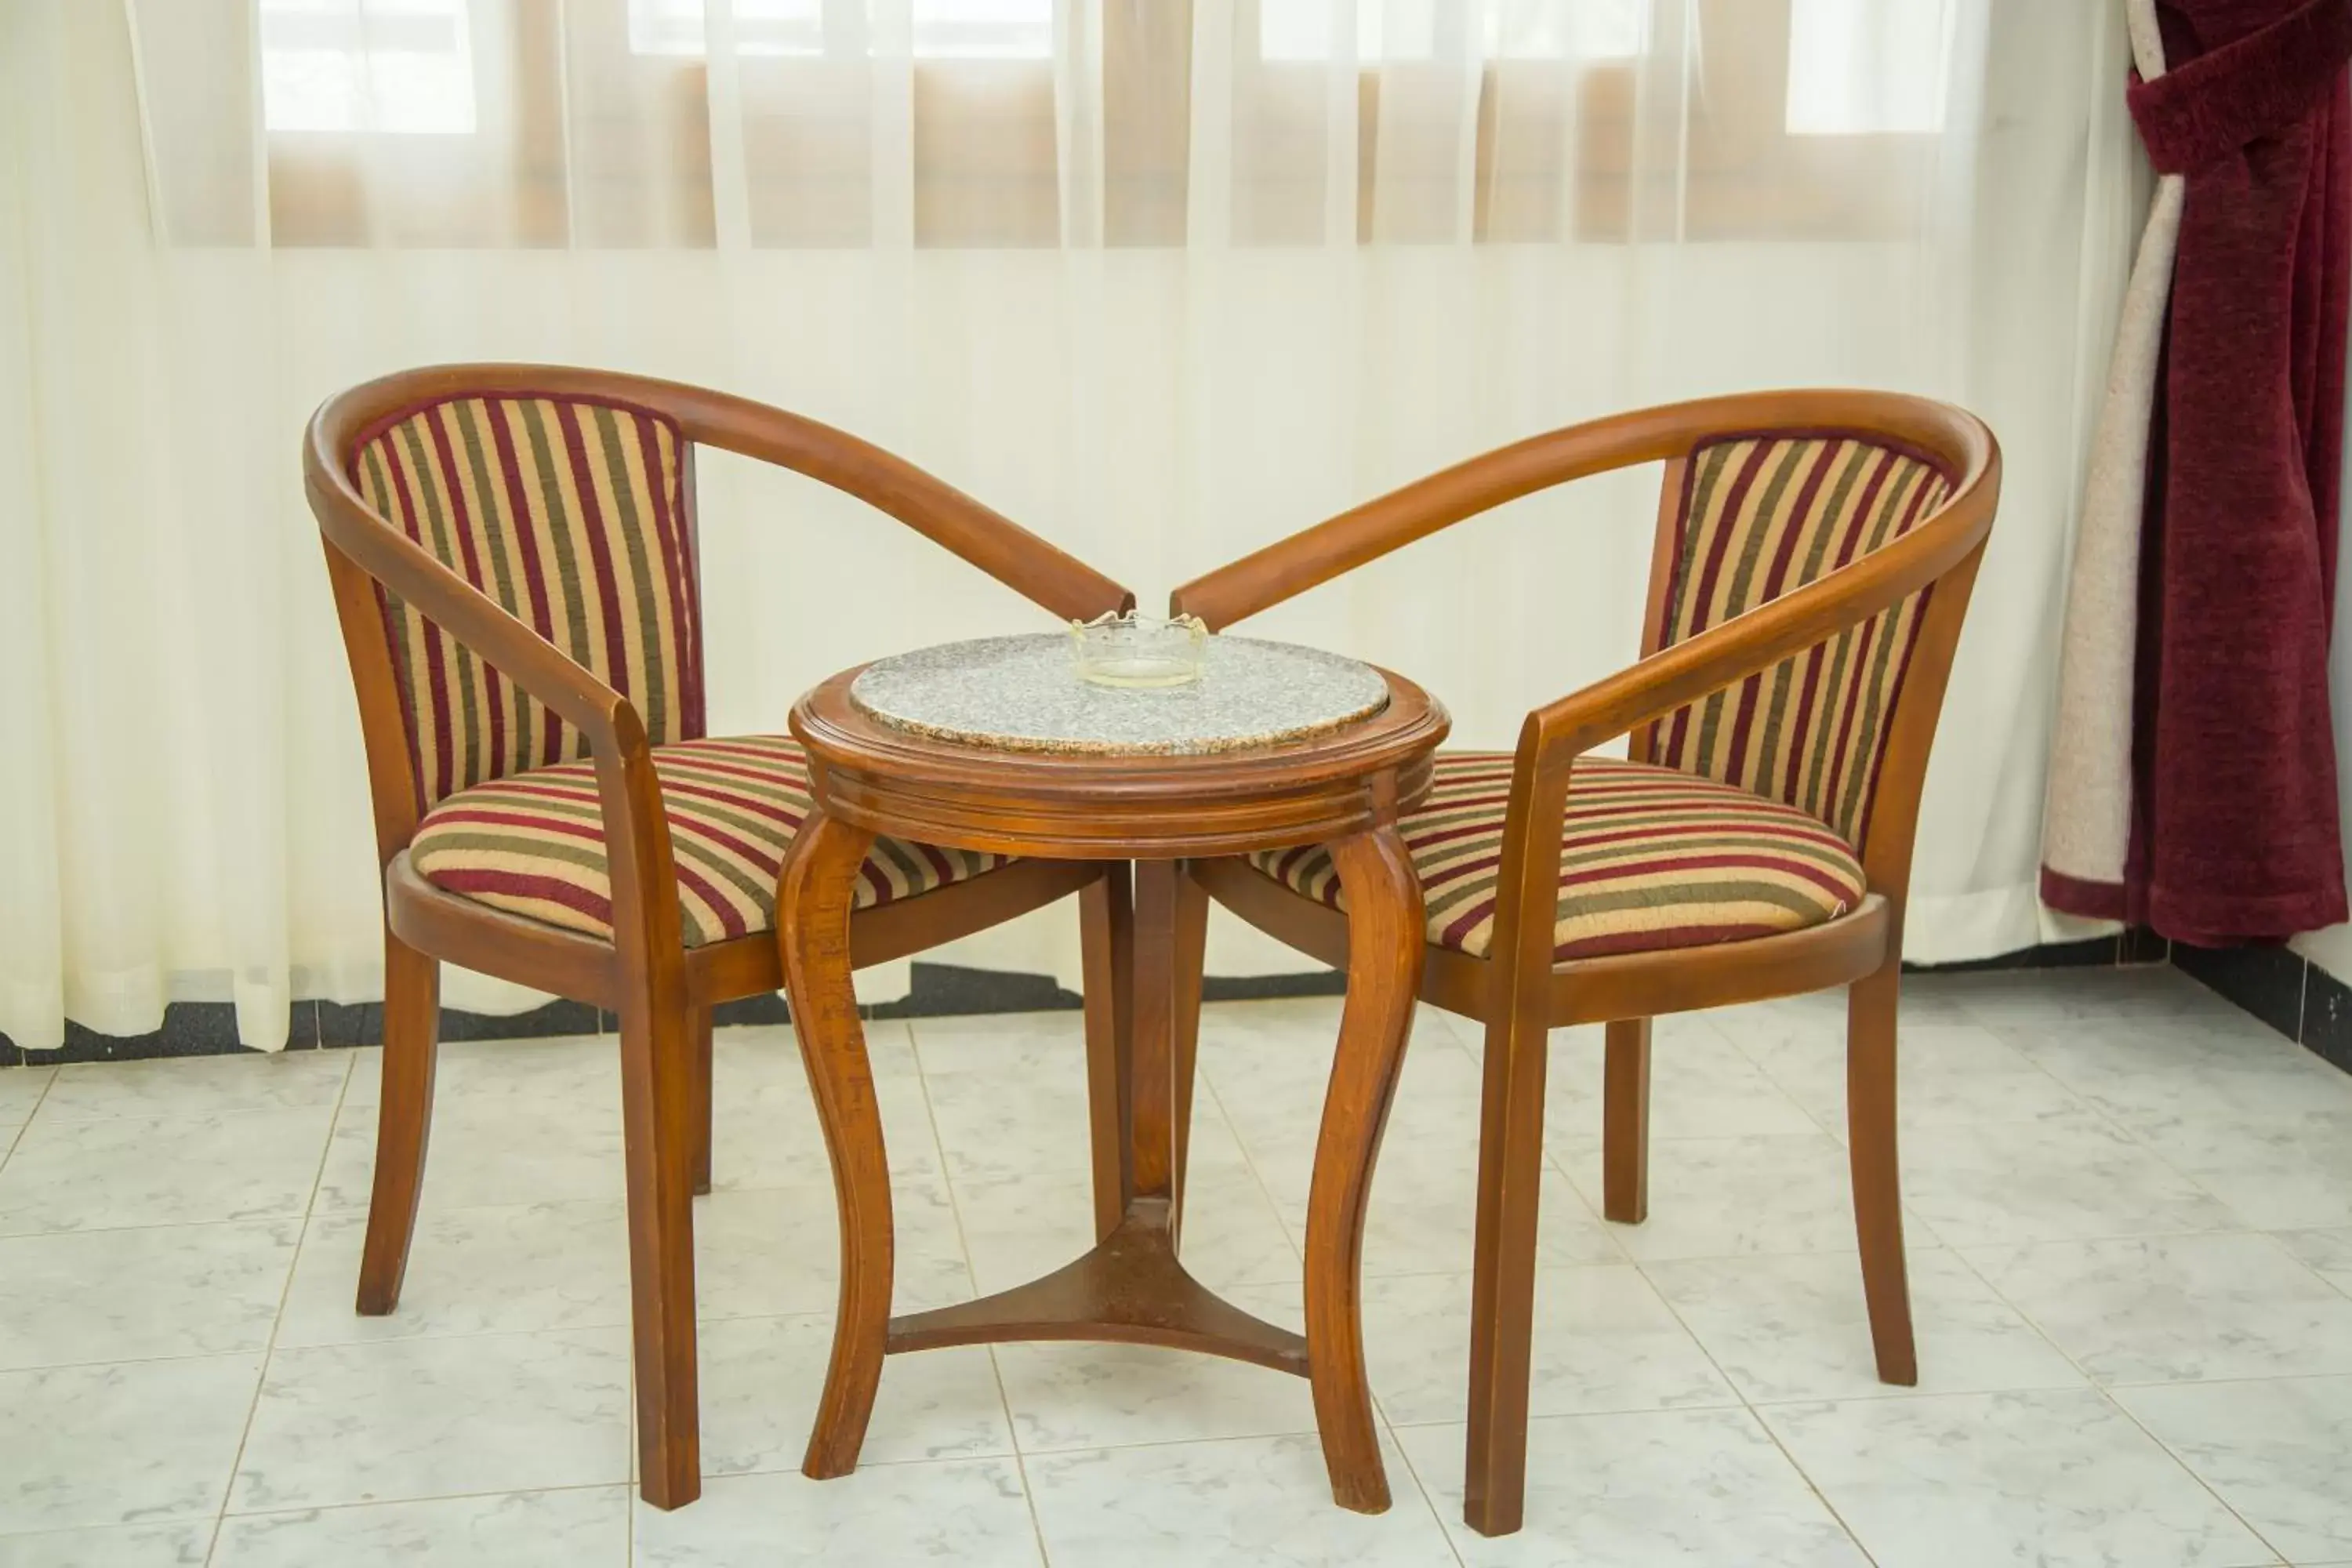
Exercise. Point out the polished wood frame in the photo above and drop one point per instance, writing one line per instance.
(662, 990)
(1346, 789)
(1519, 992)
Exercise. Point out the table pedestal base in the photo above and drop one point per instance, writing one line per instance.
(1130, 1289)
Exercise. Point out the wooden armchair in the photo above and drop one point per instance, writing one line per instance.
(513, 555)
(1813, 559)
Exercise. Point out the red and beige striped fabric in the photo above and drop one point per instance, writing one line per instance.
(1650, 857)
(571, 513)
(533, 843)
(1763, 515)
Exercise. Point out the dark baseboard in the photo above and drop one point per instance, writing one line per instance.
(2281, 988)
(937, 990)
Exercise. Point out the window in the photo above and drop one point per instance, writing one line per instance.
(984, 29)
(943, 29)
(761, 26)
(1409, 29)
(1860, 68)
(404, 67)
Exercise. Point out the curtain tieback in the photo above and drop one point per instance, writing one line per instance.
(2203, 111)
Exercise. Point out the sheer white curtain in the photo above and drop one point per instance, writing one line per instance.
(1164, 280)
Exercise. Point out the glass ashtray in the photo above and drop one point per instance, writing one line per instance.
(1132, 650)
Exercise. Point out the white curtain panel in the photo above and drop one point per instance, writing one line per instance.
(1163, 280)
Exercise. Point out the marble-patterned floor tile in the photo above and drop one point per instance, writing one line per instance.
(1719, 1197)
(579, 1070)
(971, 1513)
(115, 1546)
(1268, 1065)
(1701, 1085)
(583, 1069)
(82, 1445)
(2053, 1480)
(502, 1270)
(2142, 993)
(1948, 1084)
(21, 1089)
(1795, 1327)
(140, 1294)
(1020, 1227)
(760, 1378)
(2146, 1074)
(2274, 1450)
(1047, 1049)
(2177, 1309)
(2060, 1177)
(992, 1128)
(756, 1053)
(1671, 1488)
(1603, 1340)
(544, 1126)
(585, 1527)
(490, 1151)
(2326, 1253)
(134, 1171)
(1425, 1211)
(2281, 1173)
(772, 1138)
(773, 1251)
(196, 1086)
(437, 1417)
(1807, 1044)
(1078, 1395)
(1250, 1502)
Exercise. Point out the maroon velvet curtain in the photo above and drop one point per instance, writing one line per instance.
(2234, 831)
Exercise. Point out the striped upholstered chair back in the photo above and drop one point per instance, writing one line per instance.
(572, 513)
(1758, 516)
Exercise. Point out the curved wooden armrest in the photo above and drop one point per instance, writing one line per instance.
(1038, 570)
(1315, 556)
(1746, 645)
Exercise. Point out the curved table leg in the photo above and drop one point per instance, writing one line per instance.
(813, 902)
(1384, 951)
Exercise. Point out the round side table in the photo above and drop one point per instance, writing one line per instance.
(1069, 795)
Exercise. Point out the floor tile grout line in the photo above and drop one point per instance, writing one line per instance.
(2107, 1398)
(353, 1506)
(971, 1274)
(1421, 1485)
(16, 1135)
(1812, 1485)
(277, 1321)
(1748, 1407)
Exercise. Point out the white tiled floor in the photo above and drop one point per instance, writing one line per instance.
(2132, 1249)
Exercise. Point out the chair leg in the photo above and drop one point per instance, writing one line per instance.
(1625, 1123)
(1877, 1176)
(658, 1133)
(698, 1032)
(411, 1022)
(1503, 1277)
(1107, 945)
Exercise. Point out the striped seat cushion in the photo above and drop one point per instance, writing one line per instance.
(533, 843)
(1651, 857)
(571, 513)
(1761, 515)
